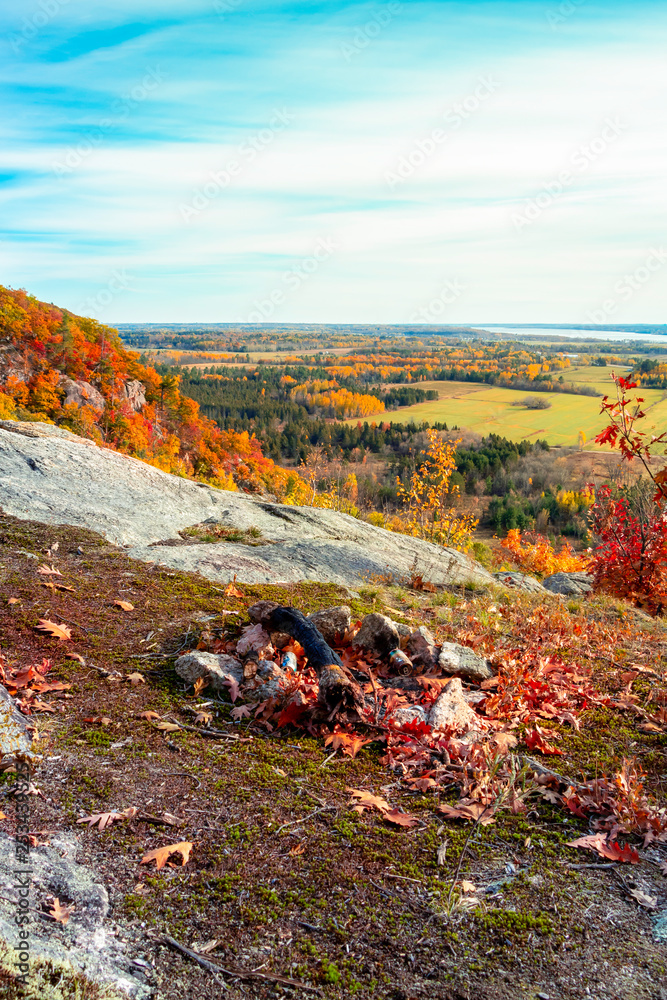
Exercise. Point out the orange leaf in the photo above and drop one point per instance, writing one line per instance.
(366, 800)
(57, 631)
(149, 715)
(231, 590)
(41, 706)
(400, 818)
(76, 656)
(124, 605)
(136, 678)
(297, 849)
(13, 600)
(162, 854)
(349, 743)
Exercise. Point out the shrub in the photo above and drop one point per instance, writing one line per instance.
(536, 554)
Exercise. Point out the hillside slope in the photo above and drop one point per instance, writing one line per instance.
(55, 477)
(75, 372)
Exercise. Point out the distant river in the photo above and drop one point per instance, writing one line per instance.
(607, 335)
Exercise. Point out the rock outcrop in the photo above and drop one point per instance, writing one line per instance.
(569, 584)
(81, 394)
(53, 476)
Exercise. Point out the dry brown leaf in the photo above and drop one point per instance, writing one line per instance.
(2, 816)
(57, 631)
(13, 600)
(366, 800)
(650, 902)
(203, 718)
(200, 684)
(136, 678)
(46, 570)
(124, 605)
(41, 706)
(58, 912)
(206, 947)
(167, 727)
(598, 842)
(162, 854)
(468, 810)
(466, 886)
(76, 656)
(400, 818)
(298, 849)
(241, 712)
(149, 715)
(504, 741)
(103, 820)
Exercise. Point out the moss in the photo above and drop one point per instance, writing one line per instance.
(48, 980)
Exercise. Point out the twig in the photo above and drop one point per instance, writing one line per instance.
(294, 822)
(214, 967)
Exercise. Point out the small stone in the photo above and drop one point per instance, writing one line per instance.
(421, 648)
(412, 713)
(332, 622)
(463, 661)
(271, 681)
(378, 635)
(260, 611)
(451, 711)
(216, 669)
(569, 584)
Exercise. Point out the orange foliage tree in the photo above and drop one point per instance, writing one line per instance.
(45, 346)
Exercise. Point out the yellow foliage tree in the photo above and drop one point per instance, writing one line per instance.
(429, 513)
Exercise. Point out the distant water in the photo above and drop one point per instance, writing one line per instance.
(607, 335)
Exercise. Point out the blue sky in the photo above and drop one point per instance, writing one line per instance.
(389, 162)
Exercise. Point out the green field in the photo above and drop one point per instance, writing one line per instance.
(488, 410)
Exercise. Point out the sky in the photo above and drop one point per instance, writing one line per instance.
(402, 161)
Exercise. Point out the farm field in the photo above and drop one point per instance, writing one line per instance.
(488, 410)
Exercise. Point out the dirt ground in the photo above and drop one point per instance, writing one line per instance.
(283, 875)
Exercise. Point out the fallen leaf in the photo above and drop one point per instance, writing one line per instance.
(136, 678)
(650, 902)
(203, 718)
(124, 605)
(101, 720)
(535, 740)
(468, 810)
(58, 912)
(13, 600)
(400, 818)
(200, 684)
(149, 715)
(504, 741)
(650, 727)
(162, 854)
(298, 849)
(663, 867)
(57, 631)
(241, 712)
(366, 800)
(598, 842)
(442, 853)
(41, 706)
(171, 820)
(103, 820)
(349, 743)
(206, 947)
(233, 686)
(2, 816)
(76, 656)
(466, 886)
(167, 727)
(231, 590)
(46, 570)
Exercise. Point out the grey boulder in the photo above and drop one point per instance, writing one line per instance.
(15, 740)
(464, 662)
(378, 635)
(569, 584)
(451, 710)
(56, 477)
(332, 622)
(421, 648)
(217, 669)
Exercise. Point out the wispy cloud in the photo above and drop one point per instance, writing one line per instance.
(74, 86)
